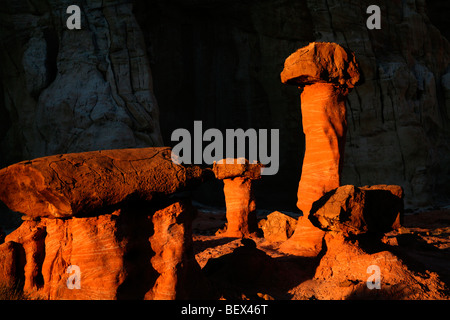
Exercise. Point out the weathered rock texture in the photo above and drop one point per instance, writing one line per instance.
(306, 241)
(113, 215)
(74, 90)
(343, 274)
(81, 183)
(354, 210)
(237, 176)
(277, 227)
(133, 253)
(326, 72)
(221, 65)
(350, 211)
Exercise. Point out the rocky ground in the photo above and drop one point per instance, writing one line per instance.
(415, 262)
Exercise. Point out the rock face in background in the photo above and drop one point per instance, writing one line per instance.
(219, 62)
(73, 90)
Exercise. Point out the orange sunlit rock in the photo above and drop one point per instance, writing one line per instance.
(326, 72)
(324, 124)
(132, 253)
(9, 259)
(80, 183)
(321, 62)
(239, 198)
(278, 227)
(343, 272)
(306, 240)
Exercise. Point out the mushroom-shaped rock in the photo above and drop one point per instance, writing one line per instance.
(237, 175)
(321, 62)
(81, 184)
(326, 72)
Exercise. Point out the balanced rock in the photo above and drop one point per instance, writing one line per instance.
(102, 225)
(350, 209)
(80, 184)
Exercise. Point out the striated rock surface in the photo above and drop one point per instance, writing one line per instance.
(102, 225)
(74, 90)
(237, 177)
(325, 72)
(10, 256)
(306, 241)
(71, 91)
(354, 210)
(136, 252)
(79, 184)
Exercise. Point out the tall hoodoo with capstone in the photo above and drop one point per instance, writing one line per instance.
(326, 72)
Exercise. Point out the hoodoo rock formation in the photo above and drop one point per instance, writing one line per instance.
(238, 176)
(326, 72)
(111, 214)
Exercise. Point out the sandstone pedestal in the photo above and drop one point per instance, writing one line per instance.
(237, 176)
(106, 221)
(325, 72)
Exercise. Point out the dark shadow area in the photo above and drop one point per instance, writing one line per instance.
(9, 220)
(39, 256)
(438, 11)
(381, 201)
(135, 226)
(420, 256)
(414, 252)
(20, 258)
(217, 68)
(250, 272)
(386, 292)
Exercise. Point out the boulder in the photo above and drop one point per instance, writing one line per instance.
(88, 183)
(278, 226)
(350, 209)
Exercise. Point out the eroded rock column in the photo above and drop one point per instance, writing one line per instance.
(325, 72)
(238, 176)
